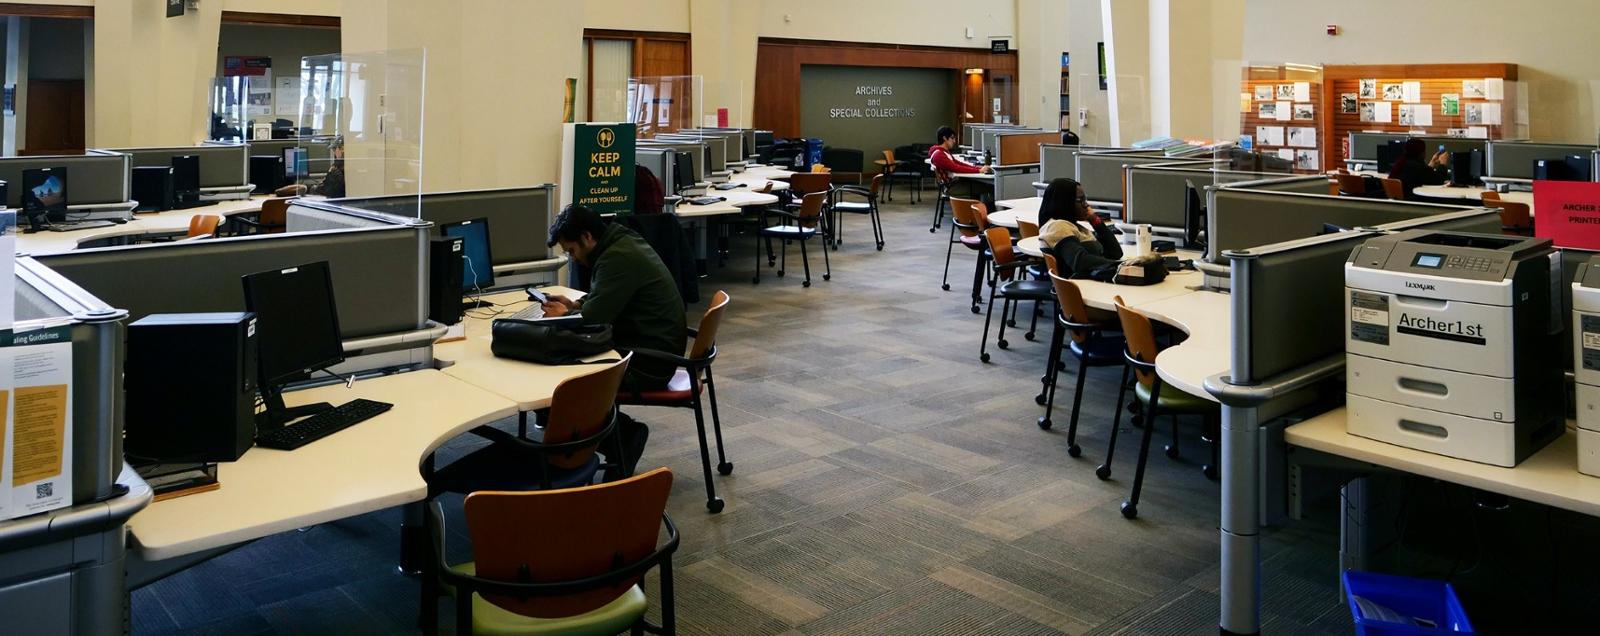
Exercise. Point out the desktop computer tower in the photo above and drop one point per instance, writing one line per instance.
(190, 385)
(152, 188)
(266, 173)
(446, 269)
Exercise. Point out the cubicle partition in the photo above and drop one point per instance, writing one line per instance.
(97, 177)
(1241, 217)
(62, 571)
(714, 147)
(696, 152)
(224, 168)
(1364, 145)
(1157, 193)
(659, 162)
(1017, 148)
(1513, 160)
(379, 273)
(1101, 173)
(1059, 160)
(319, 150)
(519, 219)
(972, 132)
(739, 144)
(991, 137)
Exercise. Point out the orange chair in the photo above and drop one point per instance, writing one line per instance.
(1140, 357)
(683, 390)
(1516, 219)
(1490, 195)
(1027, 229)
(1351, 185)
(965, 220)
(1095, 343)
(1005, 283)
(566, 561)
(806, 224)
(806, 183)
(273, 218)
(204, 225)
(582, 415)
(1393, 189)
(894, 170)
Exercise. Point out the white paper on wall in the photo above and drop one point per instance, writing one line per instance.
(1478, 132)
(1302, 91)
(1382, 112)
(1494, 88)
(1416, 114)
(1303, 136)
(1284, 111)
(1369, 89)
(1473, 89)
(1411, 91)
(1286, 154)
(1269, 135)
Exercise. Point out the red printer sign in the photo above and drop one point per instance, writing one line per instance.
(1568, 213)
(235, 65)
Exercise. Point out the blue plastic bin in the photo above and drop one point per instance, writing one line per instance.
(1415, 606)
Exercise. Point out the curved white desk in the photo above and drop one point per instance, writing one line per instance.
(154, 224)
(735, 201)
(757, 181)
(1012, 210)
(1473, 194)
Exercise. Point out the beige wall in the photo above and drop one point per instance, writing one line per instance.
(1551, 41)
(287, 7)
(149, 80)
(285, 45)
(670, 16)
(926, 22)
(1084, 33)
(1041, 39)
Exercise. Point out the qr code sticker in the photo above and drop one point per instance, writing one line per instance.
(43, 490)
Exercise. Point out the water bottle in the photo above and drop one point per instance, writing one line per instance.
(1144, 238)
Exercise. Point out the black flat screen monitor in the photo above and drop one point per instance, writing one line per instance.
(186, 175)
(297, 322)
(1388, 152)
(1194, 218)
(44, 194)
(1573, 168)
(478, 272)
(682, 171)
(1578, 168)
(1466, 168)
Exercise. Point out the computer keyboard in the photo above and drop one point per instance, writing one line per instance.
(728, 186)
(706, 200)
(322, 424)
(531, 312)
(79, 225)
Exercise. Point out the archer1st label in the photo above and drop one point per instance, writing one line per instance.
(1369, 317)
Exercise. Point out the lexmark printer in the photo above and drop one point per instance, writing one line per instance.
(1586, 362)
(1449, 347)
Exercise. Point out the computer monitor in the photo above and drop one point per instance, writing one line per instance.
(1466, 168)
(297, 330)
(682, 171)
(1388, 152)
(1194, 218)
(478, 272)
(1559, 169)
(44, 195)
(1578, 167)
(186, 178)
(296, 163)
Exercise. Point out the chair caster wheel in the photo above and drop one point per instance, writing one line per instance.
(1044, 423)
(932, 230)
(805, 283)
(1028, 336)
(976, 310)
(1129, 510)
(945, 287)
(1172, 451)
(1011, 323)
(827, 277)
(1074, 450)
(1103, 472)
(1209, 471)
(1061, 366)
(984, 357)
(1039, 399)
(880, 247)
(725, 468)
(1005, 344)
(755, 281)
(780, 273)
(714, 505)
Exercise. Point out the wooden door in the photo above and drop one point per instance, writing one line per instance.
(55, 118)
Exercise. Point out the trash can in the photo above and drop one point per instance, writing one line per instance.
(1383, 605)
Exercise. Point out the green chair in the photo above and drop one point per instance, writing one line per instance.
(1140, 357)
(557, 562)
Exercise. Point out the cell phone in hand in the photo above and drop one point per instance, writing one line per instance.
(537, 296)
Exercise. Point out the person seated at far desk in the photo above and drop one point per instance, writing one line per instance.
(1079, 239)
(947, 165)
(1412, 170)
(332, 185)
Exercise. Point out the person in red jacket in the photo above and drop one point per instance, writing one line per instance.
(946, 165)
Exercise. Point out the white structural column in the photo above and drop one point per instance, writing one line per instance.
(1127, 38)
(150, 84)
(1041, 39)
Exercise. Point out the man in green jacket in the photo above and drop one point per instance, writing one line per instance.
(630, 289)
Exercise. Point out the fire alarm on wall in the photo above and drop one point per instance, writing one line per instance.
(1333, 29)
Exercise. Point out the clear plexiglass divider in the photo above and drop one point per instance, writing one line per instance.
(365, 111)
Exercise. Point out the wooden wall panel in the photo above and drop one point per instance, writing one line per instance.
(778, 64)
(1436, 80)
(1251, 121)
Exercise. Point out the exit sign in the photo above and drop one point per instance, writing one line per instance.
(999, 46)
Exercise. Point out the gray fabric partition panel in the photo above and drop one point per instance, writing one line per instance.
(1480, 220)
(1014, 182)
(319, 152)
(91, 178)
(1514, 160)
(659, 162)
(1101, 174)
(519, 218)
(718, 149)
(306, 218)
(376, 274)
(1241, 219)
(220, 165)
(1296, 302)
(1156, 196)
(1365, 145)
(1058, 160)
(697, 156)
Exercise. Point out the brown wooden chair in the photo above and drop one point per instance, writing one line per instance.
(802, 184)
(1489, 195)
(802, 226)
(582, 415)
(1140, 357)
(1027, 229)
(965, 221)
(1393, 189)
(894, 170)
(1516, 219)
(1095, 343)
(273, 218)
(568, 561)
(1351, 185)
(868, 206)
(683, 390)
(1006, 284)
(204, 225)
